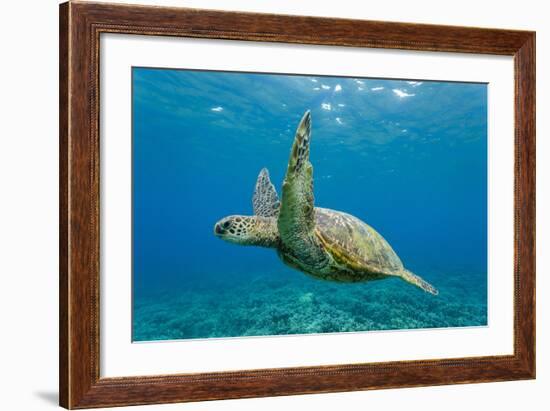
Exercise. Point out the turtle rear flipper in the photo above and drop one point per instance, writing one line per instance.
(265, 201)
(413, 279)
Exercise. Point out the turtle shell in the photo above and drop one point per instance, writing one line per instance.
(353, 244)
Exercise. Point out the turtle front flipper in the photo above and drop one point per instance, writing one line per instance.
(299, 155)
(297, 214)
(265, 201)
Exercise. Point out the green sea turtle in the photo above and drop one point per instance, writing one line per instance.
(323, 243)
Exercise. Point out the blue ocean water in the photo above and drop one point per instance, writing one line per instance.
(408, 157)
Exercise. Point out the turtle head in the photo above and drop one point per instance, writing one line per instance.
(248, 230)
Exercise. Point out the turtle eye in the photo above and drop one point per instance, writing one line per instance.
(226, 224)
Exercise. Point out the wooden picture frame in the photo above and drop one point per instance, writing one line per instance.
(80, 27)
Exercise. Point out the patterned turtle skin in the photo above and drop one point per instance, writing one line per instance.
(323, 243)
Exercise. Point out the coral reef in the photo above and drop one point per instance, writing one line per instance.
(283, 303)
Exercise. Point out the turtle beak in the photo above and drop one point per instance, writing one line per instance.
(218, 230)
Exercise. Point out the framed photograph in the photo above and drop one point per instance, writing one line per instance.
(259, 205)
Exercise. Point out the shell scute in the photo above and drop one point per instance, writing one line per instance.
(354, 244)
